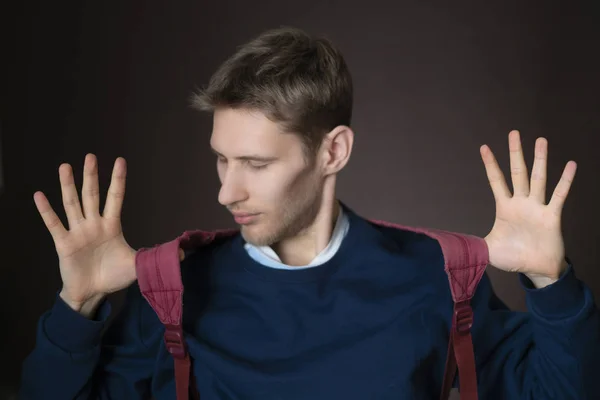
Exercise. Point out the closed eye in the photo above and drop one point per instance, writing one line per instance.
(257, 166)
(255, 162)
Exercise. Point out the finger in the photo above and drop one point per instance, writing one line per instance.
(70, 197)
(494, 174)
(538, 171)
(116, 190)
(518, 169)
(562, 188)
(51, 220)
(90, 191)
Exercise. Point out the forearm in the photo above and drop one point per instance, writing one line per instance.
(550, 352)
(65, 356)
(566, 332)
(78, 358)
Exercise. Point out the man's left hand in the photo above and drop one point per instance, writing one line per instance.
(526, 236)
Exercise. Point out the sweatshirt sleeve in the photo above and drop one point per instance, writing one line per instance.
(77, 358)
(550, 352)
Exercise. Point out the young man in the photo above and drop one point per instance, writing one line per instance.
(309, 300)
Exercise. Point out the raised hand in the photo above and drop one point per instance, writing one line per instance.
(94, 257)
(526, 236)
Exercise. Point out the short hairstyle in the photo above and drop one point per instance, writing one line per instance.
(297, 80)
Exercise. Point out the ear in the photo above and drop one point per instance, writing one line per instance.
(336, 149)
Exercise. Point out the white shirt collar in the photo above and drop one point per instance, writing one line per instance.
(267, 256)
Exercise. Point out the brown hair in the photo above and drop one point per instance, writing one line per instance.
(297, 80)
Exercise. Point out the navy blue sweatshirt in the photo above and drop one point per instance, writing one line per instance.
(370, 323)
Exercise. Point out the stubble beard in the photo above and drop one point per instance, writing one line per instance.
(298, 213)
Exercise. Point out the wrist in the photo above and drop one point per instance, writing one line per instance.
(86, 308)
(541, 281)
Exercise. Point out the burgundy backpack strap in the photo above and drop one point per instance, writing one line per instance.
(159, 277)
(465, 260)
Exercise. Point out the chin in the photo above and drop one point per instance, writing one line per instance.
(260, 235)
(257, 241)
(253, 235)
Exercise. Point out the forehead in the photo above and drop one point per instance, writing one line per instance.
(238, 132)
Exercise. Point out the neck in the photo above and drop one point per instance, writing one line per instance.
(307, 244)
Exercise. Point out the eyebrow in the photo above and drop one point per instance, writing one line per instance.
(250, 157)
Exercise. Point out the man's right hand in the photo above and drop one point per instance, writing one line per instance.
(94, 257)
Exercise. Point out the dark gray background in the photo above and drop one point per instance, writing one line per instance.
(433, 82)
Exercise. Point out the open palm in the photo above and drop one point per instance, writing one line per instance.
(526, 236)
(94, 258)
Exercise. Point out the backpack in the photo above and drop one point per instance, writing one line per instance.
(465, 260)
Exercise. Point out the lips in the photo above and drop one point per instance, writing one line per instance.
(244, 218)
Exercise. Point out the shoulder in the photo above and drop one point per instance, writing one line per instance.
(200, 244)
(408, 240)
(417, 255)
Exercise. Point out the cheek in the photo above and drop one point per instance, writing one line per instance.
(277, 186)
(269, 186)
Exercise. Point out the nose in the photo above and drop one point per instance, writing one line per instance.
(232, 188)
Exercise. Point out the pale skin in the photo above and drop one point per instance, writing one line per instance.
(526, 236)
(264, 171)
(96, 260)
